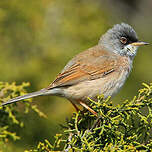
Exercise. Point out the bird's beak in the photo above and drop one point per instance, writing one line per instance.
(139, 43)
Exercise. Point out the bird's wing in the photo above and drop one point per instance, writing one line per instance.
(88, 65)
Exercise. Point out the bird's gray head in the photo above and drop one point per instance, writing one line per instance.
(121, 39)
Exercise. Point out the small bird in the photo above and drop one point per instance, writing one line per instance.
(101, 69)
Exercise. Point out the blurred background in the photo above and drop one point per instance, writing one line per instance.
(38, 37)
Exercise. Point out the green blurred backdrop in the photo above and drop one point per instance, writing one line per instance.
(38, 37)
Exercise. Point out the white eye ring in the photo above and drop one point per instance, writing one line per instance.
(123, 40)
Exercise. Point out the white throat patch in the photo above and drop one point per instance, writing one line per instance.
(130, 50)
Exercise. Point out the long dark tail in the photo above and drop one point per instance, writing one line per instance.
(30, 95)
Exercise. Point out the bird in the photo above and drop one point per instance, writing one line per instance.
(101, 69)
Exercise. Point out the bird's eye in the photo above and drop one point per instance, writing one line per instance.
(123, 40)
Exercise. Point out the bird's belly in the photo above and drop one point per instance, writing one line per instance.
(108, 86)
(115, 85)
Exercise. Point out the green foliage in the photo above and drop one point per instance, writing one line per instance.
(126, 127)
(38, 37)
(10, 115)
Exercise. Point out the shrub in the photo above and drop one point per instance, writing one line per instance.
(125, 127)
(10, 115)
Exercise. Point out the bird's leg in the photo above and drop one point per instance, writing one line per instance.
(77, 109)
(88, 108)
(85, 106)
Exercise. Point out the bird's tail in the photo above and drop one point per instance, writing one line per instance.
(30, 95)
